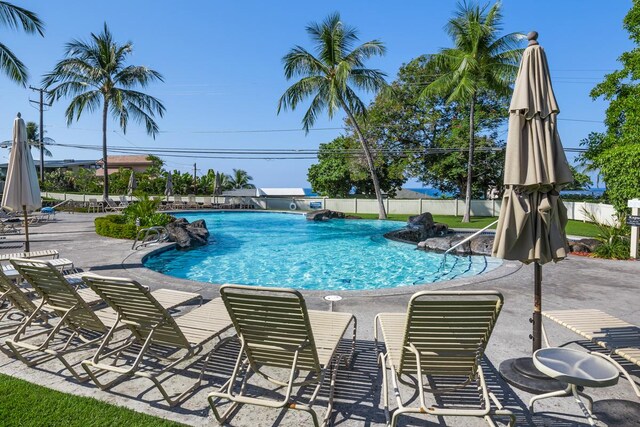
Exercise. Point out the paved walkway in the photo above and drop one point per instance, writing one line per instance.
(578, 282)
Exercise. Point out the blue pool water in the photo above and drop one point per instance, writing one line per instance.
(278, 249)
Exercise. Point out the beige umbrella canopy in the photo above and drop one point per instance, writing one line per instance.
(21, 189)
(532, 217)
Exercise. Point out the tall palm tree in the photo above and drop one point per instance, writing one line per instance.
(95, 74)
(240, 179)
(16, 18)
(330, 79)
(479, 61)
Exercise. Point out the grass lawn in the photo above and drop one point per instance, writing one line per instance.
(574, 228)
(26, 404)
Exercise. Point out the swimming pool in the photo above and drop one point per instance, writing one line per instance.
(279, 249)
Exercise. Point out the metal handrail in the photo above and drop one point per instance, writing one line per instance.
(159, 231)
(466, 239)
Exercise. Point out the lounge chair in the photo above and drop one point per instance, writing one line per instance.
(207, 203)
(124, 202)
(49, 253)
(150, 324)
(276, 331)
(178, 203)
(614, 335)
(192, 203)
(94, 206)
(442, 334)
(16, 300)
(111, 206)
(79, 326)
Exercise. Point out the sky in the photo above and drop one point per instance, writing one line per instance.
(223, 73)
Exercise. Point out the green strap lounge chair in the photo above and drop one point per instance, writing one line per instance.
(17, 302)
(79, 325)
(441, 334)
(279, 335)
(616, 336)
(150, 324)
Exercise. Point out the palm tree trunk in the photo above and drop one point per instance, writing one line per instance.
(472, 146)
(367, 154)
(105, 189)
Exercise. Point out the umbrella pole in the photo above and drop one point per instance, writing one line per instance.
(537, 307)
(26, 229)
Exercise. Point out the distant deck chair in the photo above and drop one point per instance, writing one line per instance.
(193, 202)
(612, 334)
(207, 204)
(86, 326)
(47, 253)
(442, 333)
(276, 331)
(178, 203)
(94, 206)
(150, 324)
(111, 206)
(124, 202)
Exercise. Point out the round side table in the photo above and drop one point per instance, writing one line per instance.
(576, 368)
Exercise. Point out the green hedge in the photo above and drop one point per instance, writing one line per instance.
(115, 226)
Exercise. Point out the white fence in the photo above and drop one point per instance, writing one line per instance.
(575, 210)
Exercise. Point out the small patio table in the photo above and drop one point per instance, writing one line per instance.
(576, 368)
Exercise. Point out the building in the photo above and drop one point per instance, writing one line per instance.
(138, 163)
(50, 165)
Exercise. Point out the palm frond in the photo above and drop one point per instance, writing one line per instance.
(300, 62)
(12, 66)
(89, 100)
(17, 18)
(136, 75)
(299, 91)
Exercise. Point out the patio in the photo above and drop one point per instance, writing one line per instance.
(611, 286)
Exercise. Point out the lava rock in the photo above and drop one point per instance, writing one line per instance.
(188, 235)
(323, 215)
(482, 245)
(583, 245)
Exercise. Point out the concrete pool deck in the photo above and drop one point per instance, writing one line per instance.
(577, 282)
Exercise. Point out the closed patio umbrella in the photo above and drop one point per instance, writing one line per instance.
(21, 189)
(133, 184)
(168, 188)
(532, 217)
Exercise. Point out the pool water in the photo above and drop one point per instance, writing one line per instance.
(286, 250)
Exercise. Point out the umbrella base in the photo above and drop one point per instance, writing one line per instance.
(522, 374)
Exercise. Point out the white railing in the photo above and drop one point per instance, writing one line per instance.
(575, 210)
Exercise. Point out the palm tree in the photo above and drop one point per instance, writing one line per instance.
(240, 179)
(480, 61)
(330, 78)
(95, 73)
(16, 17)
(33, 139)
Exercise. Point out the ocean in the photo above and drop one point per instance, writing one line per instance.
(436, 194)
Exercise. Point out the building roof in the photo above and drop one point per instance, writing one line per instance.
(132, 160)
(281, 192)
(241, 192)
(55, 164)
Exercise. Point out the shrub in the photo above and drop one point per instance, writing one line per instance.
(115, 226)
(615, 240)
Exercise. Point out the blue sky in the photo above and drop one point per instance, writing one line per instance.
(223, 72)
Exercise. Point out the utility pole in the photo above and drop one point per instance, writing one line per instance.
(41, 127)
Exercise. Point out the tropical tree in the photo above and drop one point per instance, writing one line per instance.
(17, 18)
(33, 139)
(95, 74)
(479, 61)
(330, 79)
(240, 179)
